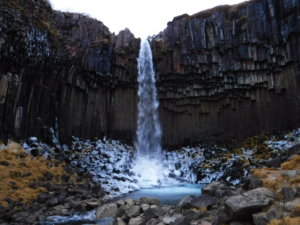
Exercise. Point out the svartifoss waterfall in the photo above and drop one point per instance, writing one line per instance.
(148, 162)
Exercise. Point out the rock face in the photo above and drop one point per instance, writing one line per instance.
(65, 66)
(225, 73)
(229, 72)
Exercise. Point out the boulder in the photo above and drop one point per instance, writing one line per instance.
(153, 212)
(133, 211)
(211, 188)
(244, 205)
(108, 210)
(137, 221)
(191, 201)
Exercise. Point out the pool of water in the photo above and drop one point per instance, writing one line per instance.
(167, 195)
(170, 195)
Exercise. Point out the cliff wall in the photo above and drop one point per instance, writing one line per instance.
(65, 66)
(222, 74)
(230, 72)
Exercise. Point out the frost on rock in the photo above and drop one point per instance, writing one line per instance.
(37, 44)
(111, 162)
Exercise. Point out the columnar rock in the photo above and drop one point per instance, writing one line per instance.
(66, 66)
(228, 72)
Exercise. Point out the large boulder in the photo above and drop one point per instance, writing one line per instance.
(108, 210)
(244, 205)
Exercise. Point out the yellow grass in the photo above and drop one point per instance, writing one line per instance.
(286, 221)
(13, 184)
(292, 164)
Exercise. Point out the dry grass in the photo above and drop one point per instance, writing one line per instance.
(23, 170)
(286, 221)
(275, 179)
(296, 210)
(292, 164)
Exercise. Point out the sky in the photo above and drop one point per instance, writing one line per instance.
(143, 18)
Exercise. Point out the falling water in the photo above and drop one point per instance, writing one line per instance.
(148, 146)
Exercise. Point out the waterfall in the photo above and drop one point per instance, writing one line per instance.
(148, 162)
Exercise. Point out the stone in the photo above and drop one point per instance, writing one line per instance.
(205, 223)
(4, 163)
(52, 201)
(153, 212)
(211, 188)
(275, 163)
(264, 218)
(129, 202)
(153, 201)
(288, 193)
(191, 201)
(168, 219)
(152, 221)
(244, 205)
(192, 214)
(145, 207)
(182, 221)
(136, 221)
(133, 211)
(108, 210)
(120, 222)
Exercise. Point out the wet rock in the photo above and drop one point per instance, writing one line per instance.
(244, 205)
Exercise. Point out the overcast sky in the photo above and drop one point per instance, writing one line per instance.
(142, 17)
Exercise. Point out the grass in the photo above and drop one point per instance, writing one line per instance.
(286, 221)
(292, 164)
(275, 179)
(21, 170)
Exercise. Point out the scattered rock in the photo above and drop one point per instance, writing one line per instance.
(244, 205)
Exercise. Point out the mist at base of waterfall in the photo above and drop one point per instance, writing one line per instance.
(151, 173)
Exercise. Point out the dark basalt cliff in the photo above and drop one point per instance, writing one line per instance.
(225, 73)
(230, 72)
(65, 66)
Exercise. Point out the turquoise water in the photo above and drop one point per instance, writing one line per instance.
(167, 195)
(170, 195)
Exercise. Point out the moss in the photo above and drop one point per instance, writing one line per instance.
(45, 25)
(15, 4)
(257, 144)
(276, 179)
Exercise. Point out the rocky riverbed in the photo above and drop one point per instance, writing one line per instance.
(87, 173)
